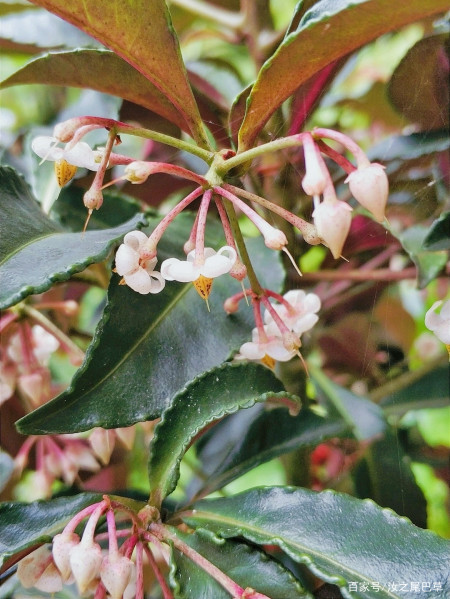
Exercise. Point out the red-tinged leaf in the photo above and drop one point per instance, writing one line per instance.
(429, 109)
(325, 33)
(143, 35)
(101, 70)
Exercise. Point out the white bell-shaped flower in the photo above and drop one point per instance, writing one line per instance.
(332, 220)
(138, 275)
(439, 323)
(80, 154)
(300, 317)
(186, 271)
(369, 185)
(273, 347)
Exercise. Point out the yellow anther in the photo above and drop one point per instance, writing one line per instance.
(64, 171)
(268, 361)
(203, 286)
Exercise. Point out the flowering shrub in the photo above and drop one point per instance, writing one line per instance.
(215, 262)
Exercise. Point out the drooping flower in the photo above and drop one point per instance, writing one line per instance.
(272, 346)
(79, 154)
(137, 274)
(369, 185)
(439, 323)
(299, 316)
(187, 271)
(332, 219)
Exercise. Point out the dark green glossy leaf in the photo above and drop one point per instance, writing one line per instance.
(35, 253)
(101, 70)
(410, 147)
(143, 35)
(206, 399)
(43, 30)
(326, 32)
(429, 391)
(147, 348)
(362, 416)
(24, 525)
(438, 236)
(429, 264)
(70, 212)
(245, 565)
(244, 441)
(385, 476)
(429, 108)
(339, 538)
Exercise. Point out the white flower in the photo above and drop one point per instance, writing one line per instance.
(138, 275)
(370, 187)
(439, 323)
(43, 342)
(332, 220)
(186, 271)
(272, 347)
(80, 154)
(301, 317)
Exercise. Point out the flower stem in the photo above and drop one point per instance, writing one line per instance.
(162, 533)
(167, 593)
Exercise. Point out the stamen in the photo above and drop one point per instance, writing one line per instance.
(303, 362)
(113, 182)
(203, 287)
(49, 150)
(291, 258)
(87, 220)
(245, 293)
(268, 361)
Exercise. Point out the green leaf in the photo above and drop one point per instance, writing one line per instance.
(35, 253)
(362, 416)
(101, 70)
(247, 566)
(339, 538)
(147, 348)
(430, 390)
(429, 264)
(429, 109)
(438, 236)
(25, 525)
(410, 147)
(385, 476)
(142, 34)
(327, 31)
(206, 399)
(243, 441)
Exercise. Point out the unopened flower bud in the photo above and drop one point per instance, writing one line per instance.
(369, 185)
(93, 199)
(33, 386)
(188, 246)
(126, 436)
(50, 580)
(62, 546)
(275, 239)
(230, 305)
(115, 573)
(332, 221)
(139, 171)
(102, 442)
(85, 562)
(31, 567)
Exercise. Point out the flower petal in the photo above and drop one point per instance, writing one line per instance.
(173, 269)
(252, 351)
(135, 239)
(45, 147)
(139, 281)
(81, 155)
(127, 260)
(216, 265)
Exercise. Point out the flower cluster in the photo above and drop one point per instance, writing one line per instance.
(278, 338)
(111, 563)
